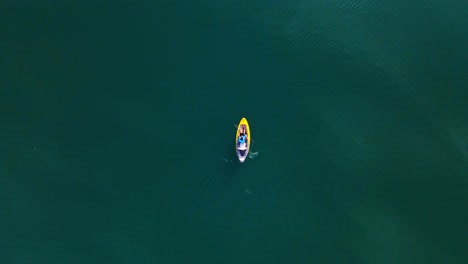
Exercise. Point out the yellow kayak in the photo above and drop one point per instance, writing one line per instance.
(243, 140)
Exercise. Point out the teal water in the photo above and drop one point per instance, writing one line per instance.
(118, 124)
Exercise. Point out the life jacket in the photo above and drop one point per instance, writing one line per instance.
(242, 139)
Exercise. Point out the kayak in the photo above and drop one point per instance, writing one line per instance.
(243, 143)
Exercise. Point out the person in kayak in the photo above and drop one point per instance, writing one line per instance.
(242, 136)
